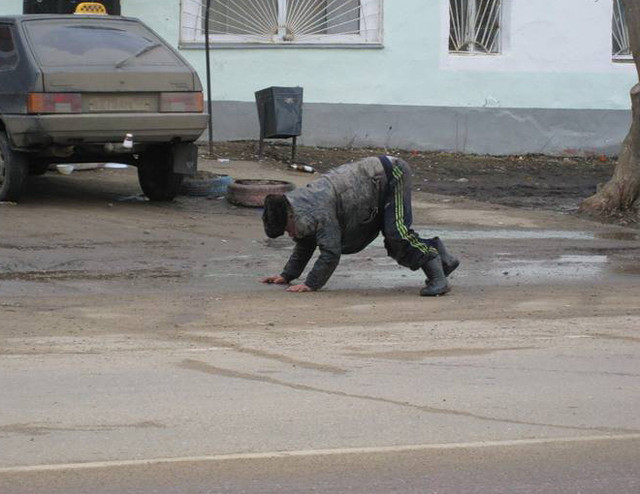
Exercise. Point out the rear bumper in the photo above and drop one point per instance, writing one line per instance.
(37, 131)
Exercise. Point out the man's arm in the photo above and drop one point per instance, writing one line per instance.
(329, 241)
(299, 258)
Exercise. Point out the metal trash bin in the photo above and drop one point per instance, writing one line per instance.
(280, 114)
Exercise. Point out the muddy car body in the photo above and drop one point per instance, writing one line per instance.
(73, 87)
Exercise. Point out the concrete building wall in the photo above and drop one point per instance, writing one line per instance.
(553, 88)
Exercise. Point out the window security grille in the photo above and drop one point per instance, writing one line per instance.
(621, 46)
(474, 26)
(287, 21)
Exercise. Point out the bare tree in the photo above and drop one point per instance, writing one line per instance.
(622, 192)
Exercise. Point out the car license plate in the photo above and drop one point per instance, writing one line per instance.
(121, 103)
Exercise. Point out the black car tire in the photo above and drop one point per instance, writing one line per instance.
(156, 176)
(206, 184)
(14, 168)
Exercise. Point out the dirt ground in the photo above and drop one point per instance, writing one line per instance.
(556, 183)
(93, 232)
(133, 330)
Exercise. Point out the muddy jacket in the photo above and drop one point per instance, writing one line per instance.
(339, 213)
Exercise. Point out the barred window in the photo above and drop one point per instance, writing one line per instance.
(621, 46)
(281, 22)
(474, 26)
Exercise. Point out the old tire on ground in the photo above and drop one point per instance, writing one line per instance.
(156, 176)
(252, 192)
(14, 168)
(206, 184)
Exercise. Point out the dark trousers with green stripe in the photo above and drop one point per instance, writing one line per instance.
(402, 243)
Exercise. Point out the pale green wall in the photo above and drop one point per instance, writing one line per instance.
(562, 64)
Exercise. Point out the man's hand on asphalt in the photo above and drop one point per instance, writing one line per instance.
(274, 280)
(299, 288)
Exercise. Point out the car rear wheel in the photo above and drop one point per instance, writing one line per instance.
(13, 171)
(38, 167)
(156, 176)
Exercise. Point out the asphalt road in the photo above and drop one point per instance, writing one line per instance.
(138, 353)
(585, 466)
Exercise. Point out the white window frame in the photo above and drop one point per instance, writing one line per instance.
(470, 27)
(622, 32)
(192, 32)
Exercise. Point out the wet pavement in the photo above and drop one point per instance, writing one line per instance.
(515, 257)
(132, 332)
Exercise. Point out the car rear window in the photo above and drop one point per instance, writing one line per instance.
(70, 42)
(8, 55)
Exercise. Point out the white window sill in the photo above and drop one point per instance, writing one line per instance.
(626, 59)
(189, 45)
(473, 54)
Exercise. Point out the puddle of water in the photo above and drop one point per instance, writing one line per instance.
(534, 271)
(629, 269)
(372, 269)
(582, 259)
(510, 234)
(502, 271)
(629, 236)
(499, 234)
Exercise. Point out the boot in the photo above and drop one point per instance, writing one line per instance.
(449, 262)
(436, 283)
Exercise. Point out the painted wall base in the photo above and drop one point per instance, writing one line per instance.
(496, 131)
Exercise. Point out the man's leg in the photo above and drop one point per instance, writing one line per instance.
(402, 243)
(449, 262)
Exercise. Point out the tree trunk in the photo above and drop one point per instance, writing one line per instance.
(622, 192)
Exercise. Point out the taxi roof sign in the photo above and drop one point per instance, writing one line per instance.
(94, 8)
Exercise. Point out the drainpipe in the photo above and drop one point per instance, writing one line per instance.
(207, 51)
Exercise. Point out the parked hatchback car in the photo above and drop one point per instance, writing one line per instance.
(88, 88)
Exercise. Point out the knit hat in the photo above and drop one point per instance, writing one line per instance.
(274, 218)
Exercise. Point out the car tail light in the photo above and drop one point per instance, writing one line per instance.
(181, 102)
(54, 103)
